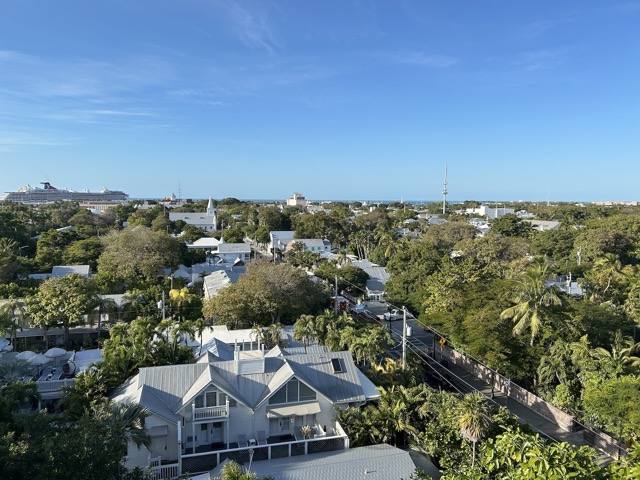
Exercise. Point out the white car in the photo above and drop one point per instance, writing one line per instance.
(394, 315)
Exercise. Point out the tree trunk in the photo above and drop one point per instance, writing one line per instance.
(473, 454)
(99, 323)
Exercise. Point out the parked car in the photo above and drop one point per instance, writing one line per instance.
(395, 314)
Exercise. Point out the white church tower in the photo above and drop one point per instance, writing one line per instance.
(211, 212)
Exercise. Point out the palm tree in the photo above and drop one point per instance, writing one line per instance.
(13, 370)
(12, 315)
(270, 336)
(304, 330)
(553, 367)
(129, 419)
(473, 420)
(393, 416)
(19, 392)
(610, 268)
(622, 354)
(533, 300)
(342, 258)
(108, 306)
(88, 391)
(233, 471)
(200, 324)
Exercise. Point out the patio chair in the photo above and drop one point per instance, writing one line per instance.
(242, 440)
(262, 437)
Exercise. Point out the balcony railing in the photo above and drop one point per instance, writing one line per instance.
(206, 461)
(210, 413)
(162, 472)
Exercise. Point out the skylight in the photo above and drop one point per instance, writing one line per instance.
(337, 366)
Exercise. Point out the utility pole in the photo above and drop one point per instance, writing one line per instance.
(335, 298)
(404, 338)
(161, 305)
(444, 191)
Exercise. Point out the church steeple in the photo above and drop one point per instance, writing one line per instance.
(211, 211)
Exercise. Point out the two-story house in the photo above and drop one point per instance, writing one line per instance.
(266, 404)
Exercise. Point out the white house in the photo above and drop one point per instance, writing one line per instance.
(544, 225)
(489, 212)
(62, 271)
(206, 221)
(220, 278)
(218, 251)
(378, 277)
(311, 244)
(255, 404)
(280, 239)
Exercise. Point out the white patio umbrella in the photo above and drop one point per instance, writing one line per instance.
(3, 342)
(38, 359)
(7, 348)
(55, 353)
(26, 355)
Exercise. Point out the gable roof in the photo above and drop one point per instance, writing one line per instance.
(230, 248)
(378, 276)
(166, 390)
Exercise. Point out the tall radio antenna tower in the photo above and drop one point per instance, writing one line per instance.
(444, 191)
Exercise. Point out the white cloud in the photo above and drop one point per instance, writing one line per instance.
(253, 27)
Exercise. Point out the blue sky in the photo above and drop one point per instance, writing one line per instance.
(336, 99)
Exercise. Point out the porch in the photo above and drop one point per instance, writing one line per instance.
(207, 457)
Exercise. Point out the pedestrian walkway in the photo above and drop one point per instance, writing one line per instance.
(468, 382)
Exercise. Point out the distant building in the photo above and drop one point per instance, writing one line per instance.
(62, 271)
(612, 203)
(544, 225)
(206, 221)
(311, 244)
(489, 212)
(297, 200)
(279, 240)
(378, 277)
(218, 251)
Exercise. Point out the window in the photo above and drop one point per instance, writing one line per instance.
(213, 398)
(294, 391)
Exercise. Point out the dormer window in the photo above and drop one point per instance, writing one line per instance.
(293, 392)
(213, 398)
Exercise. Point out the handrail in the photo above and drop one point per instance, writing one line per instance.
(268, 445)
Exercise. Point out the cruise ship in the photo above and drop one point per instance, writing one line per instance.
(48, 194)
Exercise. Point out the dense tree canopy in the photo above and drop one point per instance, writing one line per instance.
(136, 254)
(62, 302)
(267, 293)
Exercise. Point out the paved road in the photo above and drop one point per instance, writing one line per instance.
(423, 343)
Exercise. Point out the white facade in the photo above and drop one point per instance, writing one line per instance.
(257, 399)
(490, 212)
(297, 200)
(280, 239)
(311, 244)
(207, 221)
